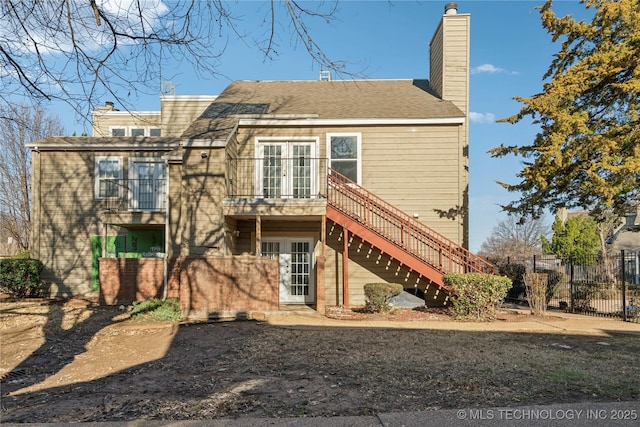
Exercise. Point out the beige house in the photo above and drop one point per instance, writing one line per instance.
(289, 192)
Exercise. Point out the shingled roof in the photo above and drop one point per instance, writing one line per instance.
(160, 143)
(355, 99)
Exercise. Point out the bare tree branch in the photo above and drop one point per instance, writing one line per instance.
(19, 125)
(79, 52)
(514, 238)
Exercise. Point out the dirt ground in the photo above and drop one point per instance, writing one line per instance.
(76, 361)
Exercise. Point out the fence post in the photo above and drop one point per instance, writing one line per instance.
(624, 287)
(534, 263)
(571, 284)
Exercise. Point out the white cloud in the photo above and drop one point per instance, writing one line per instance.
(487, 68)
(26, 30)
(482, 117)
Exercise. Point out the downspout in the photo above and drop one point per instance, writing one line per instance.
(39, 206)
(165, 289)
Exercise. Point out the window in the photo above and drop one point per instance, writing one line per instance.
(108, 172)
(147, 183)
(137, 131)
(344, 152)
(287, 169)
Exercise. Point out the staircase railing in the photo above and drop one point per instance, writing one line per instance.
(401, 229)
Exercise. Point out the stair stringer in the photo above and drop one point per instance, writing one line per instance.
(389, 248)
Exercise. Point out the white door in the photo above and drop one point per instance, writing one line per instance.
(287, 170)
(147, 184)
(295, 256)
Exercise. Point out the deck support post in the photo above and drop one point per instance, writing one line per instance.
(323, 235)
(345, 267)
(258, 235)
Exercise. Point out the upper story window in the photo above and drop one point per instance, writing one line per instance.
(135, 131)
(345, 152)
(108, 170)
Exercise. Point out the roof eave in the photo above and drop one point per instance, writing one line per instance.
(353, 122)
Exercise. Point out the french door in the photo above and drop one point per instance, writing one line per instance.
(295, 257)
(147, 183)
(287, 170)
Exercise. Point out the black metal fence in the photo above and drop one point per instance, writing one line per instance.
(601, 286)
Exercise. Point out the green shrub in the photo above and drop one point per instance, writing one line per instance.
(156, 309)
(378, 295)
(476, 296)
(515, 272)
(20, 277)
(583, 294)
(22, 255)
(554, 280)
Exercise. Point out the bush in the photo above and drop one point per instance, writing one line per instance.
(515, 272)
(554, 280)
(537, 290)
(378, 295)
(20, 277)
(156, 309)
(583, 294)
(476, 296)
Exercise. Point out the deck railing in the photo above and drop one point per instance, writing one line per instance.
(401, 229)
(133, 194)
(276, 178)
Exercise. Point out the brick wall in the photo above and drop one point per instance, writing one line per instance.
(204, 284)
(123, 280)
(227, 284)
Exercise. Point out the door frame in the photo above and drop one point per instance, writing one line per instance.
(159, 173)
(287, 164)
(285, 255)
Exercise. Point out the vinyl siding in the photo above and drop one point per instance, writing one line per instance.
(175, 210)
(178, 114)
(103, 121)
(174, 118)
(456, 60)
(66, 216)
(367, 265)
(436, 61)
(203, 187)
(424, 174)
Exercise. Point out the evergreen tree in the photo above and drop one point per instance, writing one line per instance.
(587, 153)
(576, 237)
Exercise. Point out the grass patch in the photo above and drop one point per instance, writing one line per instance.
(156, 309)
(568, 376)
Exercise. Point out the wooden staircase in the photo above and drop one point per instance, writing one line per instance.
(397, 234)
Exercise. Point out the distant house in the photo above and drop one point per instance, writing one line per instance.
(273, 192)
(8, 247)
(626, 235)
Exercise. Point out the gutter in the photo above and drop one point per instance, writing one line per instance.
(351, 122)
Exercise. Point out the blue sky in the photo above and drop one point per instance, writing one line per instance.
(510, 52)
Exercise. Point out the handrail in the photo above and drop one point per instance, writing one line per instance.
(129, 194)
(275, 177)
(400, 228)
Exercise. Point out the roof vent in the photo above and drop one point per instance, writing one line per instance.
(451, 9)
(325, 75)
